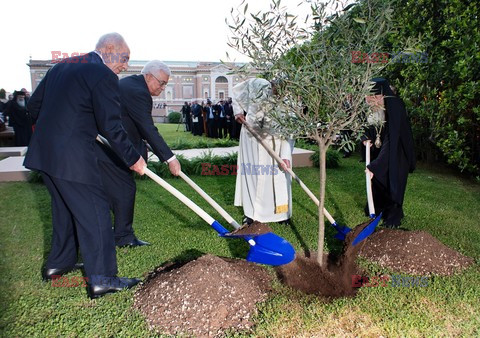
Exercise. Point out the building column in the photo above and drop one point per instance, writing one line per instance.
(212, 88)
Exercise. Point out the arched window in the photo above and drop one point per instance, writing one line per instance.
(221, 79)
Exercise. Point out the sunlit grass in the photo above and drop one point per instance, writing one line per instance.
(443, 204)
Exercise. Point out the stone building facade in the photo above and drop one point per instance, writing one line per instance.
(189, 81)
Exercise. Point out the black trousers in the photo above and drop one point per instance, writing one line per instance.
(392, 212)
(212, 126)
(120, 187)
(81, 219)
(222, 128)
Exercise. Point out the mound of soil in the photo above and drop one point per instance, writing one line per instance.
(333, 279)
(203, 297)
(206, 296)
(413, 252)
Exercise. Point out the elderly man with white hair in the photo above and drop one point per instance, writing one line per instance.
(136, 93)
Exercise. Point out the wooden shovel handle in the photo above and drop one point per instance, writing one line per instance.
(189, 203)
(210, 201)
(371, 205)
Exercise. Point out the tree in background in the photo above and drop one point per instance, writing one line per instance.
(443, 94)
(312, 60)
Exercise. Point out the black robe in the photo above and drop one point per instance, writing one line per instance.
(21, 122)
(392, 162)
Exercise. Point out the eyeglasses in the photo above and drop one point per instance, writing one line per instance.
(162, 83)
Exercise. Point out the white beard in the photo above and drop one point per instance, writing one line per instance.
(376, 118)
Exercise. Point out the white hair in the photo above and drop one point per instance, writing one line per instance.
(110, 38)
(155, 66)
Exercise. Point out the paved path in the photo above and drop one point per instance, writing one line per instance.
(301, 157)
(12, 169)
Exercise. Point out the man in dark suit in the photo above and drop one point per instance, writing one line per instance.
(77, 100)
(212, 119)
(222, 123)
(197, 119)
(136, 93)
(229, 117)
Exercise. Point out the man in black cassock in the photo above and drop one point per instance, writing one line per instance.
(20, 119)
(392, 152)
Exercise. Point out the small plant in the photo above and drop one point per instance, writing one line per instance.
(332, 158)
(174, 117)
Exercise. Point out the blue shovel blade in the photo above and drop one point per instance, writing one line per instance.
(267, 249)
(369, 229)
(342, 231)
(270, 249)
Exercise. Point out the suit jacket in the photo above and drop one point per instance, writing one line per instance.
(136, 103)
(228, 112)
(215, 111)
(76, 100)
(197, 110)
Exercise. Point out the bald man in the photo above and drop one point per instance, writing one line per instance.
(76, 101)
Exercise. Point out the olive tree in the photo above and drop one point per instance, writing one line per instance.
(323, 63)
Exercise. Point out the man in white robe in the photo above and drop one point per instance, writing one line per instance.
(262, 188)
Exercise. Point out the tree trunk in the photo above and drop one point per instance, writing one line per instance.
(321, 218)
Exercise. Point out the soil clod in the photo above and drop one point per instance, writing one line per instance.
(254, 229)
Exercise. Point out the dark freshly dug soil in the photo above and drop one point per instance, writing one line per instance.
(256, 228)
(203, 297)
(413, 252)
(333, 279)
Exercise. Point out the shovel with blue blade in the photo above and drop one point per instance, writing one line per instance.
(370, 228)
(267, 248)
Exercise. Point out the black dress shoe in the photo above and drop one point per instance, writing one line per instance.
(99, 286)
(47, 274)
(391, 225)
(134, 243)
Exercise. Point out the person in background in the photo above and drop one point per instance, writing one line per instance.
(197, 119)
(222, 123)
(186, 114)
(212, 119)
(20, 119)
(392, 153)
(3, 100)
(229, 117)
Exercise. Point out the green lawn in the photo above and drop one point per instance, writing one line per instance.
(441, 203)
(179, 139)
